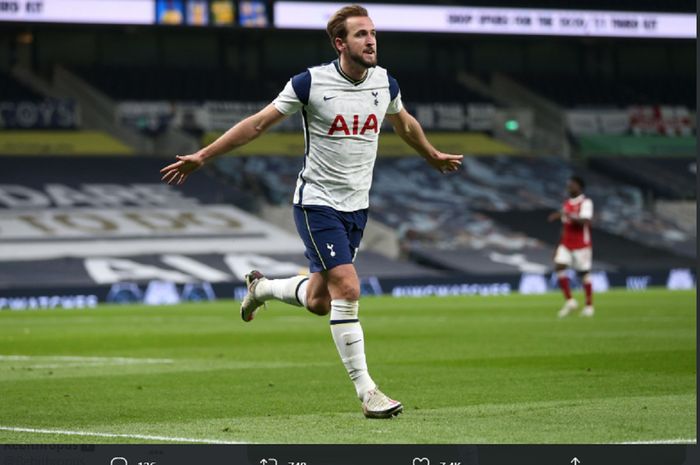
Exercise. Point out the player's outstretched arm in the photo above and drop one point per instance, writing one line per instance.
(410, 130)
(554, 216)
(239, 135)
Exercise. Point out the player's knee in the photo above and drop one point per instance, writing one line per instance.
(585, 277)
(349, 291)
(561, 272)
(343, 283)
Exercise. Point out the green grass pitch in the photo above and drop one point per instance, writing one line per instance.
(468, 370)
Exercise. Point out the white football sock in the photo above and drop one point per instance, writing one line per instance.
(350, 341)
(291, 290)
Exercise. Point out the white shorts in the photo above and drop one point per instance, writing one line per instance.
(578, 259)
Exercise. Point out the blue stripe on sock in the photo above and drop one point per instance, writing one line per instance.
(340, 322)
(296, 291)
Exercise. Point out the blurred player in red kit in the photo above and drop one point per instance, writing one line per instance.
(574, 250)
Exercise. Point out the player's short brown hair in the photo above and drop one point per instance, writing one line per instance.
(336, 25)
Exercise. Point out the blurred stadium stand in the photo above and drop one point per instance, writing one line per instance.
(201, 84)
(179, 83)
(468, 210)
(11, 90)
(666, 178)
(58, 214)
(600, 91)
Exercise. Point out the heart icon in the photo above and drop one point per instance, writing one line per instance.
(421, 461)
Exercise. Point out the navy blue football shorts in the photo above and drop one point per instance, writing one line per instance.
(331, 237)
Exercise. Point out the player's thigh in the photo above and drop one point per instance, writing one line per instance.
(563, 257)
(582, 259)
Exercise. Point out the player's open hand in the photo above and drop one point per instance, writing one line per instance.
(177, 173)
(445, 162)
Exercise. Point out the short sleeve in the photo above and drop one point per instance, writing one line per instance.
(287, 101)
(294, 95)
(586, 212)
(395, 104)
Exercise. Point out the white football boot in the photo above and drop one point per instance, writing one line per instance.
(250, 305)
(379, 405)
(569, 306)
(587, 311)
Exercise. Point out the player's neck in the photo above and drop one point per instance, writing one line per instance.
(353, 70)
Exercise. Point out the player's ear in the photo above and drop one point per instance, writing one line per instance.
(339, 44)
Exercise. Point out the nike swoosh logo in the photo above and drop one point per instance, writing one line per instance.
(353, 342)
(328, 98)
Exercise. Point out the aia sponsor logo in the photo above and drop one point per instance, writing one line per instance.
(340, 125)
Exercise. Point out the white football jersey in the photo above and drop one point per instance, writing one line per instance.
(341, 120)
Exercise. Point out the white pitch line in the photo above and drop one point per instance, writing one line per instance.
(92, 364)
(77, 361)
(661, 441)
(116, 435)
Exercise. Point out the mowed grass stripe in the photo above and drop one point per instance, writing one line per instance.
(557, 422)
(443, 357)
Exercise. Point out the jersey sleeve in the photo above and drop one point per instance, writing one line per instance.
(294, 95)
(586, 212)
(395, 104)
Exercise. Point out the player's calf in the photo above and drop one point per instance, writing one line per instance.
(318, 299)
(320, 306)
(588, 310)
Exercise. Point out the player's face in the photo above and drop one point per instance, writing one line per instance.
(360, 45)
(573, 188)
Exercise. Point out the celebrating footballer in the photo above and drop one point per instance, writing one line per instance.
(343, 104)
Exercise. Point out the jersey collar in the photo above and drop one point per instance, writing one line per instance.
(578, 199)
(348, 78)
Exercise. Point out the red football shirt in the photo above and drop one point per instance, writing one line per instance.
(575, 236)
